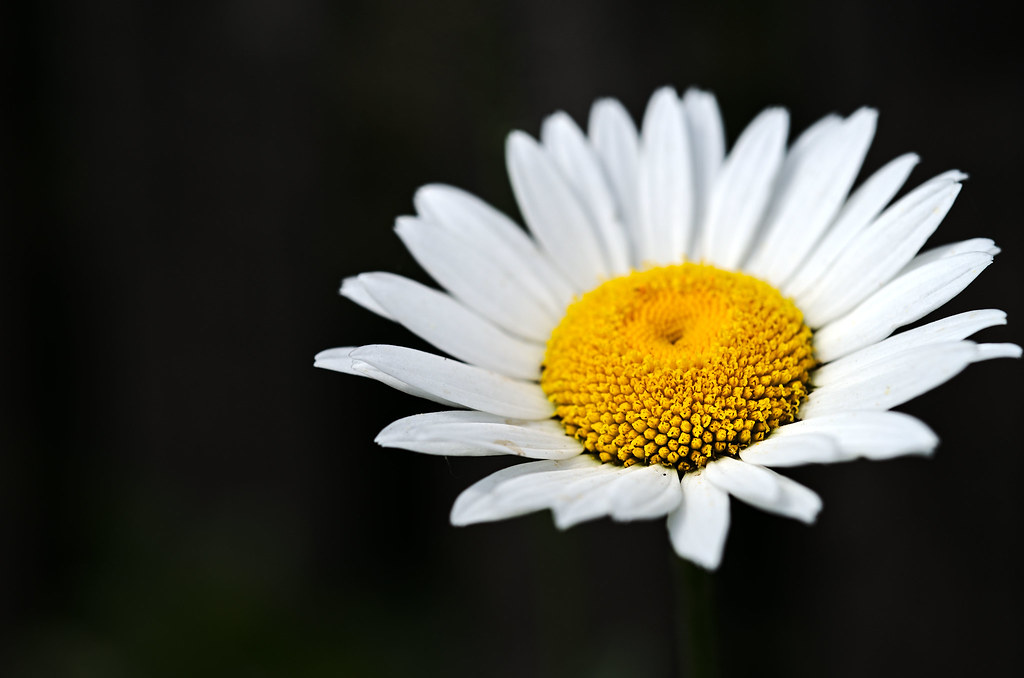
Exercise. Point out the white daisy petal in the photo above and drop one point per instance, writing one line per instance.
(992, 351)
(553, 212)
(867, 434)
(586, 498)
(953, 328)
(749, 482)
(340, 360)
(352, 289)
(763, 488)
(813, 197)
(665, 179)
(699, 525)
(881, 250)
(633, 493)
(493, 292)
(476, 503)
(907, 298)
(984, 245)
(577, 161)
(617, 145)
(893, 380)
(494, 236)
(794, 450)
(462, 433)
(547, 483)
(863, 206)
(453, 328)
(742, 188)
(707, 139)
(456, 382)
(646, 492)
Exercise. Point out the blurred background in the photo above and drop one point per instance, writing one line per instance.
(181, 493)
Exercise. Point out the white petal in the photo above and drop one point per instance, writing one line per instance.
(904, 300)
(742, 188)
(646, 492)
(352, 288)
(633, 493)
(868, 434)
(578, 163)
(699, 525)
(477, 503)
(751, 483)
(879, 253)
(553, 212)
(953, 328)
(456, 382)
(707, 139)
(340, 360)
(985, 245)
(765, 489)
(617, 144)
(893, 380)
(461, 433)
(813, 197)
(586, 498)
(517, 491)
(863, 206)
(494, 236)
(453, 328)
(792, 450)
(491, 291)
(665, 182)
(991, 351)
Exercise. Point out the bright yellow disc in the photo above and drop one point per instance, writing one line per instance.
(677, 365)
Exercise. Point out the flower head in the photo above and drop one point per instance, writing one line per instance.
(679, 321)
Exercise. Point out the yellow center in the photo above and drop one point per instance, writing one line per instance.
(677, 365)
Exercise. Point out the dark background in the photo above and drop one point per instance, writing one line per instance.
(181, 493)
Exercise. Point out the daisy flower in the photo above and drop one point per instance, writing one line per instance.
(677, 322)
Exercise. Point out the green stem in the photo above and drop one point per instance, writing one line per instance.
(696, 621)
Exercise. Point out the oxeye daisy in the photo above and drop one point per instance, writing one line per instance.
(677, 321)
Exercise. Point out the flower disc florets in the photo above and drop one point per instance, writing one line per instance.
(677, 365)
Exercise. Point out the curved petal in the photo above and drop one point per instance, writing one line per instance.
(859, 211)
(353, 290)
(447, 324)
(340, 360)
(813, 198)
(794, 450)
(665, 179)
(574, 156)
(522, 489)
(907, 298)
(456, 382)
(953, 328)
(646, 492)
(553, 212)
(764, 489)
(497, 238)
(632, 493)
(742, 188)
(867, 434)
(699, 525)
(462, 433)
(494, 293)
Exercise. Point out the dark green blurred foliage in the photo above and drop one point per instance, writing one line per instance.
(182, 494)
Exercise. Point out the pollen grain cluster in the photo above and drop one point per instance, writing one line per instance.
(677, 365)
